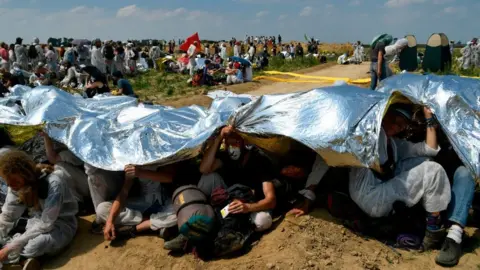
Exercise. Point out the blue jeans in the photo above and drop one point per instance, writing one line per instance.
(374, 76)
(463, 189)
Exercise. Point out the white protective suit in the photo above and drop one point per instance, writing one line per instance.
(73, 174)
(119, 61)
(49, 230)
(154, 54)
(97, 59)
(236, 50)
(467, 56)
(40, 53)
(70, 77)
(21, 56)
(191, 58)
(223, 52)
(131, 62)
(416, 179)
(132, 214)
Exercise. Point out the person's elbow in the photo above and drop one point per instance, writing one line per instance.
(271, 202)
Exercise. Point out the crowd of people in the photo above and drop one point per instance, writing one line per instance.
(243, 189)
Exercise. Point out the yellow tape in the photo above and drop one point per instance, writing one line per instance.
(316, 79)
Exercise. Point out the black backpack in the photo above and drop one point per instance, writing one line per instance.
(108, 53)
(135, 57)
(32, 52)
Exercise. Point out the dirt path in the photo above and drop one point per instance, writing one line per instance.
(312, 242)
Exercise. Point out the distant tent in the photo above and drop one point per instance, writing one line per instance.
(408, 56)
(437, 53)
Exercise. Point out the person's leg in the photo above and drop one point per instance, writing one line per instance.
(52, 242)
(126, 217)
(262, 220)
(373, 75)
(103, 185)
(463, 190)
(209, 182)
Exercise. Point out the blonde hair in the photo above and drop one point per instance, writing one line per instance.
(19, 163)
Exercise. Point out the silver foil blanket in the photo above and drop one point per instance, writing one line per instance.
(342, 123)
(110, 132)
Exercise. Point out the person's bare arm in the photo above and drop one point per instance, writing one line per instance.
(52, 156)
(268, 203)
(431, 139)
(164, 175)
(210, 163)
(380, 63)
(120, 200)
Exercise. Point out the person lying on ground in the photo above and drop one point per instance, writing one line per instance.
(42, 190)
(463, 190)
(72, 168)
(124, 86)
(406, 175)
(128, 212)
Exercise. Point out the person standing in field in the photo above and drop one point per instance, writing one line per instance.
(191, 57)
(21, 54)
(378, 66)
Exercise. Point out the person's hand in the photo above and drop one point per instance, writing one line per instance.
(132, 171)
(299, 211)
(109, 231)
(4, 254)
(238, 207)
(227, 130)
(427, 112)
(379, 74)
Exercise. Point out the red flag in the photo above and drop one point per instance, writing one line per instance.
(189, 41)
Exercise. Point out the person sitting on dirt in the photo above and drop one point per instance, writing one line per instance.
(128, 212)
(71, 78)
(240, 164)
(97, 81)
(72, 168)
(463, 191)
(406, 175)
(43, 191)
(234, 73)
(124, 86)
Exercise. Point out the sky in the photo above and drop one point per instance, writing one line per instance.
(326, 20)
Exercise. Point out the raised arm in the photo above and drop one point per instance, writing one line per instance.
(210, 163)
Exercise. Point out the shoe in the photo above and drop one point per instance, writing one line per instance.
(176, 244)
(126, 232)
(32, 264)
(433, 239)
(450, 253)
(97, 228)
(168, 234)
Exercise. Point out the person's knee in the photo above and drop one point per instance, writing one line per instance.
(262, 221)
(36, 247)
(463, 176)
(103, 211)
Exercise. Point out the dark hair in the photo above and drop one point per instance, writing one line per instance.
(5, 139)
(12, 46)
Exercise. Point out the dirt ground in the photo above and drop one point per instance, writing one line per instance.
(316, 241)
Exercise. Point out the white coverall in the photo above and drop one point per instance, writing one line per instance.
(191, 58)
(49, 230)
(97, 60)
(154, 54)
(132, 213)
(73, 174)
(416, 179)
(131, 63)
(236, 51)
(21, 56)
(467, 56)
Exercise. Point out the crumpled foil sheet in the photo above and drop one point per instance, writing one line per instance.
(110, 132)
(342, 123)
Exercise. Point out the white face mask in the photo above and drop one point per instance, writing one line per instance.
(234, 152)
